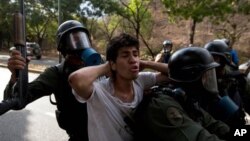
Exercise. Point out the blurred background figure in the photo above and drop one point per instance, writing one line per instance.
(165, 53)
(230, 81)
(234, 54)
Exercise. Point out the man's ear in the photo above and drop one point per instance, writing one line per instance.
(113, 66)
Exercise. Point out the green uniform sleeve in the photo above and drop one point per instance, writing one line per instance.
(215, 126)
(45, 84)
(8, 90)
(167, 121)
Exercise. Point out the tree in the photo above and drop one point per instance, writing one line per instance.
(42, 15)
(235, 23)
(135, 16)
(107, 24)
(38, 18)
(197, 10)
(7, 9)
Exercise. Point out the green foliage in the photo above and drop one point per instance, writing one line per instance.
(135, 13)
(236, 23)
(108, 25)
(38, 17)
(41, 18)
(197, 9)
(109, 17)
(241, 6)
(135, 17)
(6, 19)
(102, 7)
(139, 13)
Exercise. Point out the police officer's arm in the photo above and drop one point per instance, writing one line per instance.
(159, 57)
(45, 84)
(159, 67)
(82, 80)
(15, 62)
(215, 126)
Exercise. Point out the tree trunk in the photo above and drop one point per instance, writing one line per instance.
(192, 31)
(146, 44)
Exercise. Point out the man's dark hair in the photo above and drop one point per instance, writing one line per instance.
(120, 41)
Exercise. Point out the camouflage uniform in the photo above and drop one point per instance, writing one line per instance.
(162, 118)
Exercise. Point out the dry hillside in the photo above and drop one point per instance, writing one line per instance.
(179, 32)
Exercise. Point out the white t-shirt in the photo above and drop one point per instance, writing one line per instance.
(106, 113)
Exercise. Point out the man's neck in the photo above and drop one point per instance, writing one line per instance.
(124, 90)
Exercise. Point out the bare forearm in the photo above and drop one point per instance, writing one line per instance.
(159, 58)
(82, 80)
(8, 90)
(160, 67)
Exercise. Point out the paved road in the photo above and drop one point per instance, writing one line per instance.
(47, 61)
(36, 122)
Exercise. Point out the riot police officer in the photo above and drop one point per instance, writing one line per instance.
(73, 41)
(230, 81)
(233, 52)
(174, 113)
(166, 52)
